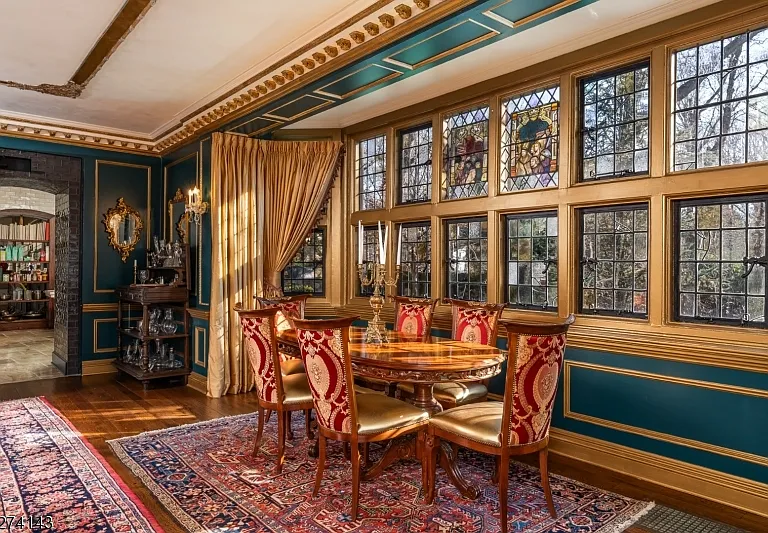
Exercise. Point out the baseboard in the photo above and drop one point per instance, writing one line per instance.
(99, 366)
(198, 382)
(727, 489)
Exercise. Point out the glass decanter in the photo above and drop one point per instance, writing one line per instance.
(169, 325)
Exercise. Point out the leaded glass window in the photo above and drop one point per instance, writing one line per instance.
(614, 123)
(530, 140)
(720, 98)
(416, 260)
(372, 172)
(415, 165)
(305, 274)
(720, 260)
(614, 261)
(370, 257)
(467, 259)
(532, 260)
(465, 154)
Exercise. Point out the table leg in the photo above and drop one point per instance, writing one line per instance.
(424, 399)
(447, 461)
(400, 448)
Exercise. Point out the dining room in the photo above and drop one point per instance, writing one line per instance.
(485, 266)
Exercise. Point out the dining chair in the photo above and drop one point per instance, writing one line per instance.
(519, 424)
(290, 307)
(413, 316)
(470, 322)
(342, 414)
(275, 392)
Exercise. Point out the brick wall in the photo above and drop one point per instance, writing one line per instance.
(32, 199)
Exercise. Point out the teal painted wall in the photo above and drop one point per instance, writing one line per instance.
(107, 175)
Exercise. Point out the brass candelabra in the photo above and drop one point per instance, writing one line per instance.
(377, 278)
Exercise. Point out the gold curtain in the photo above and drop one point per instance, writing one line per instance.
(297, 177)
(236, 276)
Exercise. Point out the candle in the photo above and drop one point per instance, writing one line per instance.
(381, 245)
(134, 263)
(384, 246)
(399, 244)
(359, 242)
(189, 192)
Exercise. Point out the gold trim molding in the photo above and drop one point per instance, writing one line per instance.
(200, 360)
(656, 435)
(198, 382)
(96, 322)
(99, 308)
(99, 366)
(199, 314)
(713, 485)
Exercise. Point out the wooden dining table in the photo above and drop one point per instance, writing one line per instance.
(423, 362)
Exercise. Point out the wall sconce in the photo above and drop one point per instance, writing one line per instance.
(195, 206)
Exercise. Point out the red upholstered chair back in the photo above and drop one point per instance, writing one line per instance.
(533, 370)
(413, 316)
(475, 322)
(324, 346)
(260, 345)
(291, 307)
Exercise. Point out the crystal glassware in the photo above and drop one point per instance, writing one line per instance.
(169, 325)
(143, 276)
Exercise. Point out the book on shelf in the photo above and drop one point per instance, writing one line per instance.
(39, 231)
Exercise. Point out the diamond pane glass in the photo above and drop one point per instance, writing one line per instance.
(530, 140)
(720, 260)
(305, 274)
(720, 99)
(465, 154)
(467, 259)
(416, 260)
(532, 261)
(614, 123)
(415, 165)
(372, 172)
(370, 257)
(614, 261)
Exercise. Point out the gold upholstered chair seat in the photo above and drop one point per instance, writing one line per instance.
(480, 422)
(296, 389)
(378, 413)
(291, 366)
(453, 393)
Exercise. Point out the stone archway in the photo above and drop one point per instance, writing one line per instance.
(63, 177)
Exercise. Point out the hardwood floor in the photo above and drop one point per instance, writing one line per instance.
(102, 409)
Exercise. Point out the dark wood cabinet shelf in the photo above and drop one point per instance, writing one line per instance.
(138, 373)
(41, 300)
(23, 283)
(139, 335)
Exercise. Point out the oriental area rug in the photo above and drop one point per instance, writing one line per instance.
(52, 479)
(205, 476)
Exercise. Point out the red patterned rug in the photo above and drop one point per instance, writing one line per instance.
(205, 476)
(52, 479)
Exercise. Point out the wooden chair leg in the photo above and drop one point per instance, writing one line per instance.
(431, 446)
(366, 457)
(455, 449)
(269, 415)
(503, 491)
(259, 431)
(495, 478)
(281, 430)
(320, 464)
(543, 454)
(355, 450)
(347, 455)
(308, 424)
(288, 426)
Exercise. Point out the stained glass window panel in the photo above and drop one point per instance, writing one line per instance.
(305, 274)
(416, 260)
(614, 123)
(467, 259)
(370, 257)
(465, 154)
(372, 172)
(532, 261)
(719, 276)
(415, 165)
(614, 261)
(720, 102)
(530, 140)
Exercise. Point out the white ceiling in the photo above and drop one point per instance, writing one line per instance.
(580, 28)
(182, 54)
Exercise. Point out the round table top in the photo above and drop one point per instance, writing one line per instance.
(411, 359)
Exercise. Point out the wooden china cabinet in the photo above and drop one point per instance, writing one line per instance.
(141, 352)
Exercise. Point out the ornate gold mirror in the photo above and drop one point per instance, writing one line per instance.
(123, 226)
(178, 218)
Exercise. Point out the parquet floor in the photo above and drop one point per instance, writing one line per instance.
(102, 409)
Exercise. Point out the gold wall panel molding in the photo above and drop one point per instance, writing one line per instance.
(99, 366)
(392, 75)
(320, 104)
(172, 164)
(200, 346)
(96, 322)
(99, 308)
(720, 487)
(656, 435)
(198, 382)
(99, 163)
(200, 314)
